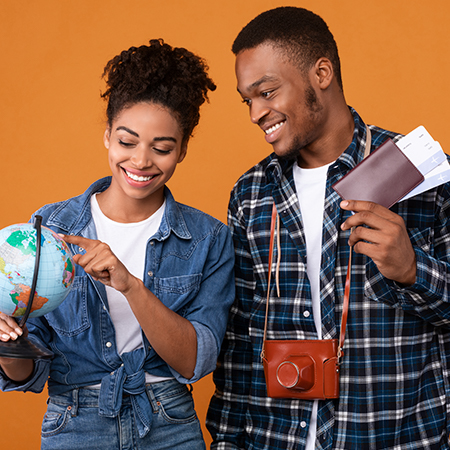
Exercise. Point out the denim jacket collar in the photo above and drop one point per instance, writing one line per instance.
(80, 223)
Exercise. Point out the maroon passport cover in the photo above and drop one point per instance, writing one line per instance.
(384, 177)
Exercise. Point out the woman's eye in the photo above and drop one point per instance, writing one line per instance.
(247, 101)
(266, 94)
(125, 144)
(162, 152)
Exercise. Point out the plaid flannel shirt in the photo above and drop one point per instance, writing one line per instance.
(394, 377)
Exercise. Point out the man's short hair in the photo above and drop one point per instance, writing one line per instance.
(302, 35)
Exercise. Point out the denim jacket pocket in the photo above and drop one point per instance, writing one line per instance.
(71, 317)
(176, 292)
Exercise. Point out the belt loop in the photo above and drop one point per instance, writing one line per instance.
(151, 397)
(74, 408)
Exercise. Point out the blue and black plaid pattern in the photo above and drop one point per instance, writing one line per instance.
(394, 379)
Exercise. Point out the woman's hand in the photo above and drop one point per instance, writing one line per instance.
(15, 368)
(9, 329)
(101, 263)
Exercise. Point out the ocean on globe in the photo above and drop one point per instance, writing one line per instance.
(17, 258)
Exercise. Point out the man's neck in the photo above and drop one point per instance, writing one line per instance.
(334, 138)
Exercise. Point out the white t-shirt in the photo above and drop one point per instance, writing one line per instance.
(310, 185)
(128, 241)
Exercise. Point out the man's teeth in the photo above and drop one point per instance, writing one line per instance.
(138, 178)
(275, 127)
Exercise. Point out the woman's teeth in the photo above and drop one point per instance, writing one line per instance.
(138, 178)
(275, 127)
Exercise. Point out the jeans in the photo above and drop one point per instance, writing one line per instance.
(72, 422)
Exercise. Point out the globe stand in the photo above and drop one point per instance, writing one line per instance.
(22, 347)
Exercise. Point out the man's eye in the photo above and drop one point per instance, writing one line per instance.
(247, 101)
(266, 94)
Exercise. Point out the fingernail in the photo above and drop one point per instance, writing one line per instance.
(13, 335)
(5, 336)
(19, 331)
(344, 203)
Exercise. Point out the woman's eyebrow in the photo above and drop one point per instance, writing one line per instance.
(165, 138)
(127, 130)
(157, 139)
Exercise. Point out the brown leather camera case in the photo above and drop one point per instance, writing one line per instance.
(319, 381)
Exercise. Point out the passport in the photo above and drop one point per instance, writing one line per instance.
(384, 177)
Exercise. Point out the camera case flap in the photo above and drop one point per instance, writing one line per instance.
(306, 369)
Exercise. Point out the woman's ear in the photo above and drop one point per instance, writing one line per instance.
(182, 152)
(106, 137)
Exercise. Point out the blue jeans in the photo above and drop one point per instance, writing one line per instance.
(72, 422)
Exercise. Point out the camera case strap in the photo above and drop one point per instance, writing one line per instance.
(309, 368)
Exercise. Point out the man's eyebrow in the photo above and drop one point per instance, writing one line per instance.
(264, 79)
(157, 139)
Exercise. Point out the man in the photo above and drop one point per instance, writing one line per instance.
(394, 375)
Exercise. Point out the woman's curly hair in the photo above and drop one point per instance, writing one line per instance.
(171, 77)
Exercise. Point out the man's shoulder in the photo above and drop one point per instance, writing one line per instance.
(379, 135)
(254, 176)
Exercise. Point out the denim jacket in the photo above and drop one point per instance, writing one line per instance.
(189, 267)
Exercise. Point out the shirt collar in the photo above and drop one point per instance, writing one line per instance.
(173, 220)
(74, 223)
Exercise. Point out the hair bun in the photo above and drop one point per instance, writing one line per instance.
(172, 77)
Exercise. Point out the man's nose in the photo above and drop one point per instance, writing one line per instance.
(258, 111)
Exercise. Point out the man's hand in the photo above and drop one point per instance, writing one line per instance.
(385, 240)
(101, 263)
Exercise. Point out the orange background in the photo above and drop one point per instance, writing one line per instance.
(395, 63)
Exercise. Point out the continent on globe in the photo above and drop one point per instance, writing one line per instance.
(23, 241)
(20, 296)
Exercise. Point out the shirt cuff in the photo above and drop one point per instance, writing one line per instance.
(430, 281)
(207, 353)
(35, 384)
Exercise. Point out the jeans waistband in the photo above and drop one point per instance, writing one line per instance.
(88, 397)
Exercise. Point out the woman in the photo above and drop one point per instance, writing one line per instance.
(153, 285)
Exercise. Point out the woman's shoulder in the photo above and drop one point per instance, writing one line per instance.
(197, 216)
(62, 212)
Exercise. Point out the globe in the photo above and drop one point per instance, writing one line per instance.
(17, 261)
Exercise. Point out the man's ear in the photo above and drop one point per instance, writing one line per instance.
(324, 72)
(106, 137)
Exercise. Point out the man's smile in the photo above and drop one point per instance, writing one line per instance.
(274, 127)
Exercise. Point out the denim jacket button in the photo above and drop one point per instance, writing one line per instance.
(150, 273)
(108, 344)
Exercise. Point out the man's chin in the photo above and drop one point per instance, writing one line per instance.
(291, 154)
